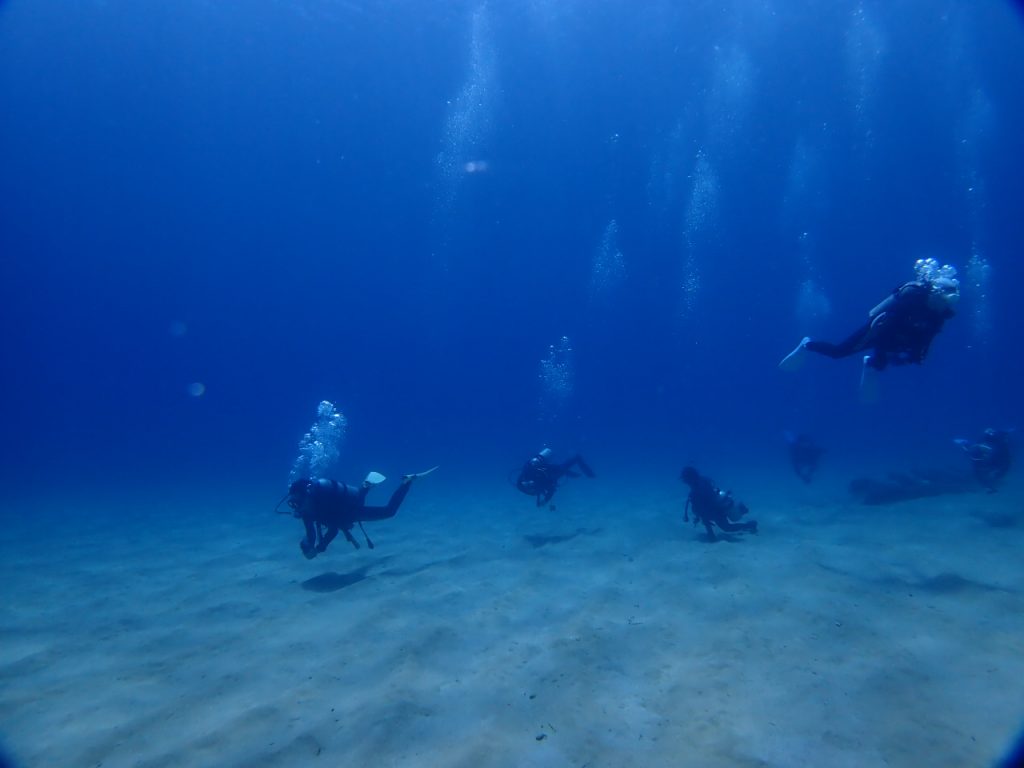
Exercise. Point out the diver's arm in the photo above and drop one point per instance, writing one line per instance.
(524, 482)
(899, 300)
(310, 531)
(308, 544)
(927, 336)
(885, 304)
(711, 531)
(327, 538)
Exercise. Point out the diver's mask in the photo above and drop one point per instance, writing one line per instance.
(296, 497)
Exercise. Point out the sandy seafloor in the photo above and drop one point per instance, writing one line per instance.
(484, 632)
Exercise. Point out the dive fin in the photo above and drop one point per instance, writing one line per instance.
(414, 475)
(374, 478)
(869, 382)
(795, 359)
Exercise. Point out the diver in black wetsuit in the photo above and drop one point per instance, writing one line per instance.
(990, 457)
(900, 329)
(539, 476)
(327, 506)
(804, 454)
(712, 506)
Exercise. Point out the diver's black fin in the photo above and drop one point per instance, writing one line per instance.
(369, 543)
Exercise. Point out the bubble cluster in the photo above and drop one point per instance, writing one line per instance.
(979, 277)
(805, 198)
(468, 123)
(666, 165)
(700, 211)
(319, 448)
(865, 47)
(557, 376)
(729, 96)
(975, 130)
(812, 305)
(609, 266)
(928, 270)
(703, 200)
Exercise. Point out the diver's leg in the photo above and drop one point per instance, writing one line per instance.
(987, 477)
(737, 511)
(577, 461)
(308, 544)
(711, 531)
(351, 539)
(750, 526)
(856, 342)
(730, 527)
(366, 514)
(327, 537)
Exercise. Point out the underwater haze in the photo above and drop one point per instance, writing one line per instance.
(401, 207)
(479, 228)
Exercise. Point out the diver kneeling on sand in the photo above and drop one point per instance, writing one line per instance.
(327, 506)
(990, 456)
(539, 476)
(804, 454)
(713, 506)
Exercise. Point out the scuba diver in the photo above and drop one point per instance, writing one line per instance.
(804, 454)
(990, 456)
(713, 506)
(327, 506)
(539, 476)
(899, 330)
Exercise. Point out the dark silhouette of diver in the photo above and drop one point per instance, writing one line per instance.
(712, 506)
(328, 506)
(899, 330)
(990, 457)
(804, 454)
(539, 476)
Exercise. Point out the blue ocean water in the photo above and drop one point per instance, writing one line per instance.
(215, 217)
(480, 227)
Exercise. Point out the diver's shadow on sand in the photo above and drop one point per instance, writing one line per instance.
(731, 538)
(538, 541)
(332, 582)
(997, 519)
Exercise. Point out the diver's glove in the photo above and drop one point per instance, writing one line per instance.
(307, 549)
